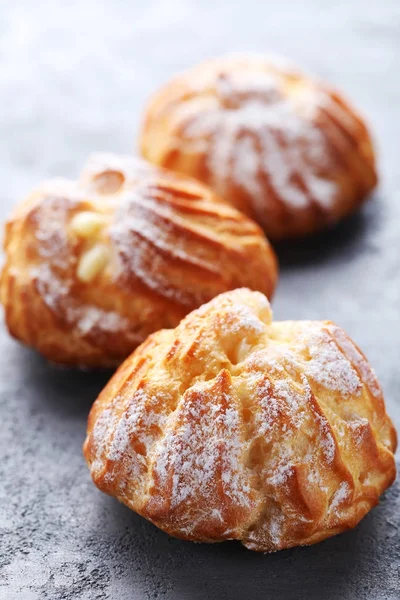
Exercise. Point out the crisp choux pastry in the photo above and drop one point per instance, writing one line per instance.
(236, 427)
(284, 148)
(94, 266)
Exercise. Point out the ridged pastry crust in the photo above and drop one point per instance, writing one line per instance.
(232, 426)
(282, 147)
(94, 266)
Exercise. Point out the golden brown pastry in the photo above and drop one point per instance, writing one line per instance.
(94, 266)
(232, 426)
(282, 147)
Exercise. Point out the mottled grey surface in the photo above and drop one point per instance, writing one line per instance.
(73, 78)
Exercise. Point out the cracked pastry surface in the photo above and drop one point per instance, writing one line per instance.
(94, 266)
(284, 148)
(233, 426)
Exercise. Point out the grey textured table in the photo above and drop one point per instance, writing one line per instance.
(73, 79)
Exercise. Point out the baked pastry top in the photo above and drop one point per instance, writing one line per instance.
(94, 266)
(282, 147)
(233, 426)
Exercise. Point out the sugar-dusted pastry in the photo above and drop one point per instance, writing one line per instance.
(282, 147)
(93, 267)
(232, 426)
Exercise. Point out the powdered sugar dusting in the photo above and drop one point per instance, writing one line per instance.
(281, 474)
(125, 435)
(54, 275)
(360, 428)
(51, 289)
(242, 318)
(328, 366)
(148, 248)
(327, 442)
(245, 166)
(136, 416)
(101, 433)
(50, 220)
(258, 131)
(276, 527)
(235, 316)
(204, 446)
(91, 317)
(341, 495)
(56, 293)
(350, 350)
(134, 434)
